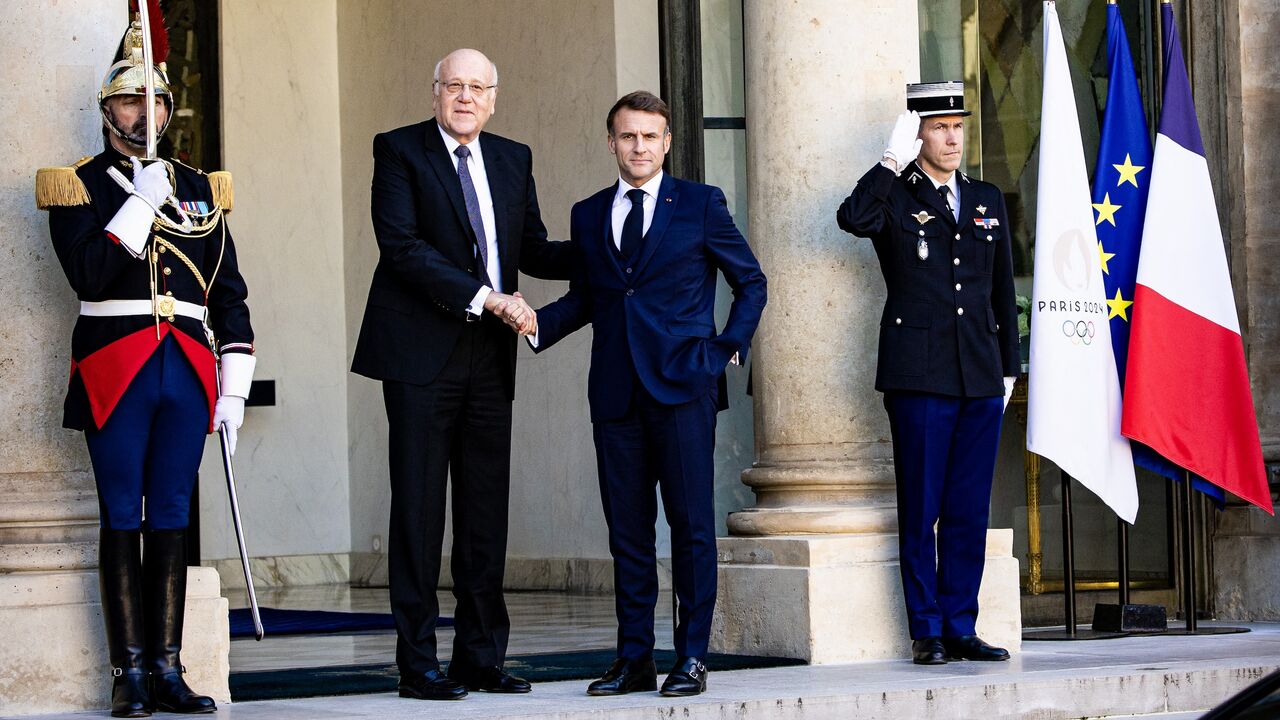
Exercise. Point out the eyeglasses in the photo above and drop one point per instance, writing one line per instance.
(455, 87)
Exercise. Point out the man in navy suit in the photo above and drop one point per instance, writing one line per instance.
(650, 246)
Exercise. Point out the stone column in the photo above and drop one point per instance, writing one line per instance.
(1246, 541)
(56, 660)
(811, 571)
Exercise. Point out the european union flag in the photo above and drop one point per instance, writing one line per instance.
(1120, 183)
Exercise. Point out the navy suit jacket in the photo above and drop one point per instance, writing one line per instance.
(653, 317)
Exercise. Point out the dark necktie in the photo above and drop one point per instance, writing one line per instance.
(633, 226)
(473, 207)
(945, 192)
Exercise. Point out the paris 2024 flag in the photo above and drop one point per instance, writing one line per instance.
(1073, 416)
(1187, 388)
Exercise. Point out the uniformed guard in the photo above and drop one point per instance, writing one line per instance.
(948, 358)
(147, 250)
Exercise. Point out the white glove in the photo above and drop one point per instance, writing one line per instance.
(1008, 390)
(904, 142)
(229, 413)
(151, 183)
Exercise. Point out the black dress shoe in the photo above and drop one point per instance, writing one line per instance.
(688, 677)
(971, 647)
(431, 685)
(928, 651)
(491, 679)
(626, 676)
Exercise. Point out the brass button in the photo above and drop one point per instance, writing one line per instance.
(957, 236)
(630, 292)
(956, 261)
(169, 293)
(959, 311)
(168, 271)
(628, 271)
(988, 238)
(957, 287)
(897, 321)
(163, 248)
(921, 233)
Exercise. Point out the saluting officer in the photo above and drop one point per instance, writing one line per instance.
(147, 251)
(948, 358)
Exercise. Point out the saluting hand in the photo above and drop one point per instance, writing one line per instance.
(904, 142)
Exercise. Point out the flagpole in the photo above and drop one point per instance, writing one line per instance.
(1068, 558)
(1122, 560)
(1188, 555)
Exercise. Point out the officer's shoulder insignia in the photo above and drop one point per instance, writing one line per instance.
(922, 217)
(224, 194)
(195, 170)
(913, 178)
(982, 209)
(61, 186)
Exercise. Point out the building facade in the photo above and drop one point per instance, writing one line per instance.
(794, 100)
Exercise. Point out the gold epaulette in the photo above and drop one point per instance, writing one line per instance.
(224, 194)
(61, 186)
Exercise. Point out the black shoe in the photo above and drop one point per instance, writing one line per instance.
(120, 575)
(164, 593)
(928, 651)
(971, 647)
(688, 677)
(626, 676)
(490, 679)
(431, 685)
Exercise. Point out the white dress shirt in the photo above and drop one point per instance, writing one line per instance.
(622, 205)
(480, 179)
(955, 193)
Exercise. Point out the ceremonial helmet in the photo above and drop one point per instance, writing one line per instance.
(126, 76)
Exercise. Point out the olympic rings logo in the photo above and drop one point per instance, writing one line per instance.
(1081, 332)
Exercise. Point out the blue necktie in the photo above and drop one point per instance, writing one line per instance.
(473, 207)
(633, 226)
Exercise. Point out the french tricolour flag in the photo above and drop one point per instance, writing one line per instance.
(1187, 389)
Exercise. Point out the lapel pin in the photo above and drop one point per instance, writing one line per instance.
(668, 199)
(982, 209)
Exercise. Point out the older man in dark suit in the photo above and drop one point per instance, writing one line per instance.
(456, 217)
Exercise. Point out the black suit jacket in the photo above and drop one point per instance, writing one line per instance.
(427, 269)
(950, 321)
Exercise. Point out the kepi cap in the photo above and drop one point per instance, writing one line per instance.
(937, 98)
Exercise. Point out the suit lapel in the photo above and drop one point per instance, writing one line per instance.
(662, 214)
(498, 170)
(922, 187)
(605, 223)
(968, 203)
(446, 173)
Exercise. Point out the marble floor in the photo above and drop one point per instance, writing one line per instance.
(541, 622)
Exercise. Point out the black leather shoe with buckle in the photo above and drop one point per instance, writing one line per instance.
(490, 679)
(971, 647)
(928, 651)
(688, 677)
(626, 676)
(431, 685)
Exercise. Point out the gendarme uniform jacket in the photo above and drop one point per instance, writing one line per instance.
(108, 352)
(949, 325)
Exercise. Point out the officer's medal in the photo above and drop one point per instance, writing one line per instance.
(922, 245)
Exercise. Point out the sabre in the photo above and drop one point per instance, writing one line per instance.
(235, 520)
(148, 76)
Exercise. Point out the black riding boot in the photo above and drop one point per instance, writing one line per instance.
(120, 578)
(165, 591)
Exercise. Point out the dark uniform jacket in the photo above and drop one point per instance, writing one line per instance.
(427, 271)
(107, 352)
(949, 325)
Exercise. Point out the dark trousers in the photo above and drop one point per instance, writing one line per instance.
(150, 446)
(944, 453)
(671, 446)
(457, 426)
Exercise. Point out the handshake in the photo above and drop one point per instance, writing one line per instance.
(514, 311)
